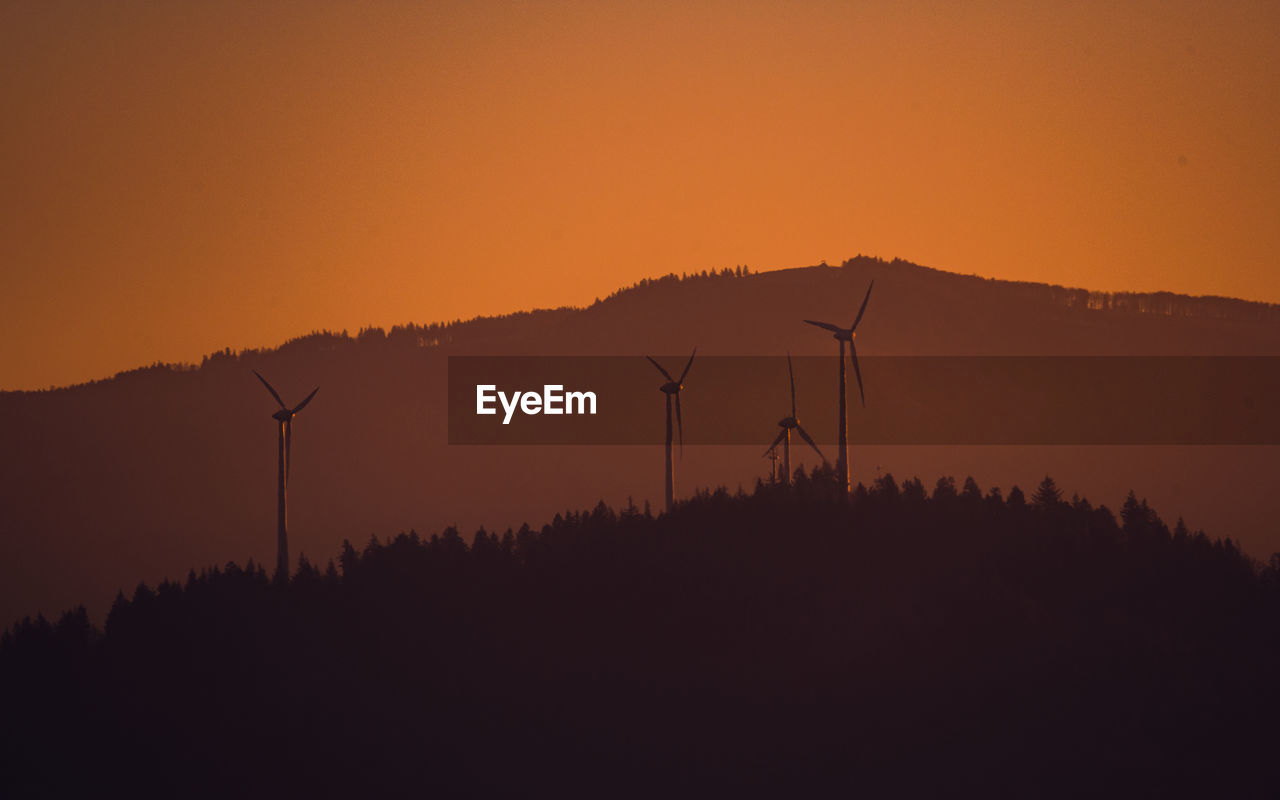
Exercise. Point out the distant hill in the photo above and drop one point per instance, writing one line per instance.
(917, 641)
(152, 471)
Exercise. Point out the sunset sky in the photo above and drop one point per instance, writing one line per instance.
(182, 177)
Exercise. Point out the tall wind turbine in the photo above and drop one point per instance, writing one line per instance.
(285, 417)
(789, 424)
(843, 335)
(672, 390)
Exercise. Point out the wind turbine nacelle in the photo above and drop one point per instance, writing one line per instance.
(788, 422)
(843, 336)
(283, 415)
(672, 387)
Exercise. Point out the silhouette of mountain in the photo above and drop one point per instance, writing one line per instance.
(791, 642)
(156, 469)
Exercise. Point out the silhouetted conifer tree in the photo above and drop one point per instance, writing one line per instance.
(1016, 498)
(887, 487)
(1047, 495)
(913, 491)
(945, 489)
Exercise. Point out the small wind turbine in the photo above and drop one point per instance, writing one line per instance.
(772, 455)
(843, 335)
(285, 417)
(672, 389)
(789, 424)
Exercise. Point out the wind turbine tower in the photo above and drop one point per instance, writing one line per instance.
(789, 424)
(672, 390)
(843, 335)
(772, 455)
(285, 417)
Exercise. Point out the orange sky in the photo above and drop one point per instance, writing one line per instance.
(182, 177)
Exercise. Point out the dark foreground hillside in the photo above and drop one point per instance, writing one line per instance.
(910, 642)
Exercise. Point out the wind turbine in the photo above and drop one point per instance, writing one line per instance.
(843, 335)
(789, 424)
(772, 455)
(672, 390)
(285, 417)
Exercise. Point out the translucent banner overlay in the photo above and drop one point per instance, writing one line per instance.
(739, 400)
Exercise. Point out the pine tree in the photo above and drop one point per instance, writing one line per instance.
(1016, 498)
(913, 490)
(887, 487)
(1132, 515)
(945, 489)
(1047, 495)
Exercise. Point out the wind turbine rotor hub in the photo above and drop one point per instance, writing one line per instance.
(789, 423)
(672, 387)
(282, 415)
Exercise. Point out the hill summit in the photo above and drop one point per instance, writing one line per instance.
(147, 473)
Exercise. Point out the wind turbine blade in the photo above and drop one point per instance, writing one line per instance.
(805, 435)
(679, 425)
(273, 391)
(686, 366)
(288, 449)
(853, 356)
(777, 441)
(826, 325)
(303, 404)
(791, 373)
(863, 310)
(665, 374)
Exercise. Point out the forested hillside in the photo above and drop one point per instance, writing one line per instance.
(910, 640)
(145, 474)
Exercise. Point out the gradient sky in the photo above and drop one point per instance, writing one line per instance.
(182, 177)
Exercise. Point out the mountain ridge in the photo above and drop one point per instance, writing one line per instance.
(443, 333)
(140, 476)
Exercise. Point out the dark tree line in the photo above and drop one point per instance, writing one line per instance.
(786, 642)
